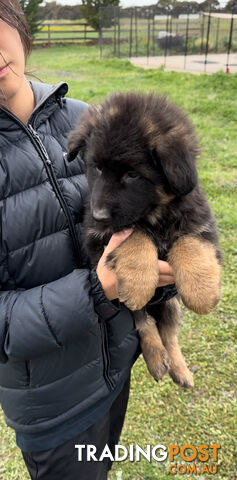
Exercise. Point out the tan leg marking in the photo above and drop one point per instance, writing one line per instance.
(168, 329)
(154, 352)
(136, 267)
(197, 273)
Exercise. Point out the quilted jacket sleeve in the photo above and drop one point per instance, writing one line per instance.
(36, 321)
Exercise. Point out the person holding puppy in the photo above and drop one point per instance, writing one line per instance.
(66, 343)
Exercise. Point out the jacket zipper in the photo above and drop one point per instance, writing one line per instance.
(35, 139)
(105, 352)
(27, 365)
(48, 165)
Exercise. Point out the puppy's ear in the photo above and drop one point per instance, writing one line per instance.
(176, 152)
(76, 143)
(180, 170)
(78, 138)
(172, 137)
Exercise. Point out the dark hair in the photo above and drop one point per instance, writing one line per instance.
(12, 13)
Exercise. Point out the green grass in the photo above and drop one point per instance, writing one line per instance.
(163, 413)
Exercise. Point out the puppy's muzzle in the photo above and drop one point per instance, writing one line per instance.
(101, 214)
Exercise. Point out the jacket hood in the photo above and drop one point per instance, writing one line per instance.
(46, 95)
(47, 99)
(43, 91)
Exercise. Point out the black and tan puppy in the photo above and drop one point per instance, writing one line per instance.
(140, 158)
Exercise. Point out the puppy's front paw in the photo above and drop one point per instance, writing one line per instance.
(197, 273)
(200, 300)
(135, 294)
(136, 267)
(200, 290)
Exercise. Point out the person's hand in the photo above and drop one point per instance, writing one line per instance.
(166, 276)
(106, 276)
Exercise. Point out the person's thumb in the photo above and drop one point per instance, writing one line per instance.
(117, 239)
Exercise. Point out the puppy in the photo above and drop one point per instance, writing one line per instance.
(140, 156)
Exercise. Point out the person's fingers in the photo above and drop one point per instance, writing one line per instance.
(166, 274)
(117, 239)
(165, 268)
(166, 280)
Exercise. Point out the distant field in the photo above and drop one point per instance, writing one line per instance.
(163, 413)
(53, 31)
(138, 35)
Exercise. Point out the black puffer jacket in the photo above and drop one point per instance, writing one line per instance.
(64, 347)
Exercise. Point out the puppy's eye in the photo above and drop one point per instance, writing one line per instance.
(130, 176)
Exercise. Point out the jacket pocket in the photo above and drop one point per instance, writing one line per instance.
(123, 342)
(106, 356)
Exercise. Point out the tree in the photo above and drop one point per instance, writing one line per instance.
(90, 10)
(165, 6)
(50, 11)
(209, 5)
(231, 6)
(30, 9)
(184, 8)
(69, 12)
(53, 11)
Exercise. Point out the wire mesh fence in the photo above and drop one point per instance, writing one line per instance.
(139, 32)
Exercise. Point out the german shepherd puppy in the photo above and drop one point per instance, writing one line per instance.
(140, 161)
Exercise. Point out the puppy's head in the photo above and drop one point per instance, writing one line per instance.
(139, 153)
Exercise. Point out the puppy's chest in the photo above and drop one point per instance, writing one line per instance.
(163, 239)
(162, 249)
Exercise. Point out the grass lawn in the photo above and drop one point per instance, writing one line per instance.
(163, 413)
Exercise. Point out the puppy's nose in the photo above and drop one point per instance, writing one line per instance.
(100, 214)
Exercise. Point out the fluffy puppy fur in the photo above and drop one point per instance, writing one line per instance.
(140, 160)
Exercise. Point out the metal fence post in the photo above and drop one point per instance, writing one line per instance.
(100, 34)
(136, 41)
(186, 41)
(170, 31)
(49, 39)
(166, 38)
(115, 31)
(229, 43)
(202, 29)
(217, 34)
(148, 36)
(130, 36)
(118, 32)
(207, 41)
(153, 32)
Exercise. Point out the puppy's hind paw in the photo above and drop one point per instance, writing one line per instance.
(157, 361)
(183, 378)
